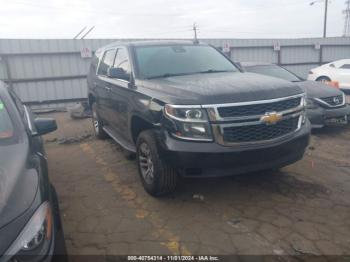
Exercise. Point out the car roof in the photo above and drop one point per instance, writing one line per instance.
(153, 43)
(252, 63)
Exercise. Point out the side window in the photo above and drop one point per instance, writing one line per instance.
(122, 61)
(107, 62)
(345, 66)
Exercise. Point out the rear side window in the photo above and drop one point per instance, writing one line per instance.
(122, 61)
(107, 62)
(6, 127)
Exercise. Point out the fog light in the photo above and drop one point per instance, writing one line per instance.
(195, 129)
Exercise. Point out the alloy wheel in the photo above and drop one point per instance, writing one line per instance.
(146, 163)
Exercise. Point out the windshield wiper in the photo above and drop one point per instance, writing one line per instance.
(210, 71)
(167, 75)
(192, 73)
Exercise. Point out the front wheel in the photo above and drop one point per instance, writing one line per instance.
(158, 178)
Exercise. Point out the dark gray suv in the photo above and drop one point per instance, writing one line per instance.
(184, 108)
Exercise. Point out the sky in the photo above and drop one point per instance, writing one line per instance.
(47, 19)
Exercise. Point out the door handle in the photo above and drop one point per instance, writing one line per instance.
(108, 88)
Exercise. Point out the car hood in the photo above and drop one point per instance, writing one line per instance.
(315, 89)
(218, 88)
(18, 185)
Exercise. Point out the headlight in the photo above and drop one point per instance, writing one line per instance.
(34, 241)
(191, 122)
(186, 114)
(304, 101)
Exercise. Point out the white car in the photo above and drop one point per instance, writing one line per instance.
(336, 71)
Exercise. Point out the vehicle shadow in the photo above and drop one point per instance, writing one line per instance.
(331, 130)
(264, 183)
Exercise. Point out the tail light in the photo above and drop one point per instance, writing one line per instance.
(334, 84)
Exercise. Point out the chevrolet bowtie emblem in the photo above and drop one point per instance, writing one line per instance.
(271, 118)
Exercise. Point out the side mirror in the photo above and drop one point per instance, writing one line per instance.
(118, 73)
(332, 65)
(45, 125)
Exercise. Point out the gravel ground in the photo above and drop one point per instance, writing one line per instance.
(301, 209)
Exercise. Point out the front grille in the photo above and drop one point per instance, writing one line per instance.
(252, 133)
(333, 100)
(259, 109)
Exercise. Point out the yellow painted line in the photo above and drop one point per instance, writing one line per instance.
(172, 242)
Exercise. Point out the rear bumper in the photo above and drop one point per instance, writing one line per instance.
(211, 159)
(320, 117)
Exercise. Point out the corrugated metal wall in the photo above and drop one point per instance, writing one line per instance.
(48, 73)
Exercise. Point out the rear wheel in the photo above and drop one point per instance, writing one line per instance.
(97, 123)
(158, 178)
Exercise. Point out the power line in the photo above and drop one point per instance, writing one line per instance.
(346, 31)
(87, 32)
(82, 30)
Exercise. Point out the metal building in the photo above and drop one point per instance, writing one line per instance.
(52, 73)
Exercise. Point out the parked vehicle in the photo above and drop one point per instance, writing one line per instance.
(30, 228)
(336, 71)
(325, 105)
(185, 108)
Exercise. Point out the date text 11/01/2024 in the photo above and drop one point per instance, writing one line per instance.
(173, 258)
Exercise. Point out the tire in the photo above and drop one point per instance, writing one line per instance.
(55, 208)
(97, 123)
(323, 79)
(60, 250)
(157, 177)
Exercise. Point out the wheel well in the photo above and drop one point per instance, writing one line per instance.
(91, 100)
(325, 77)
(138, 125)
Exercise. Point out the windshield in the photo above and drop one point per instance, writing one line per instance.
(164, 61)
(6, 127)
(275, 71)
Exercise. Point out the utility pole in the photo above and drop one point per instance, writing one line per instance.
(195, 40)
(325, 15)
(325, 19)
(347, 19)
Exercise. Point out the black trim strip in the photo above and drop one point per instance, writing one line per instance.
(40, 79)
(41, 53)
(58, 101)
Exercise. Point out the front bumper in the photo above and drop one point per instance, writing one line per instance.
(212, 159)
(320, 117)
